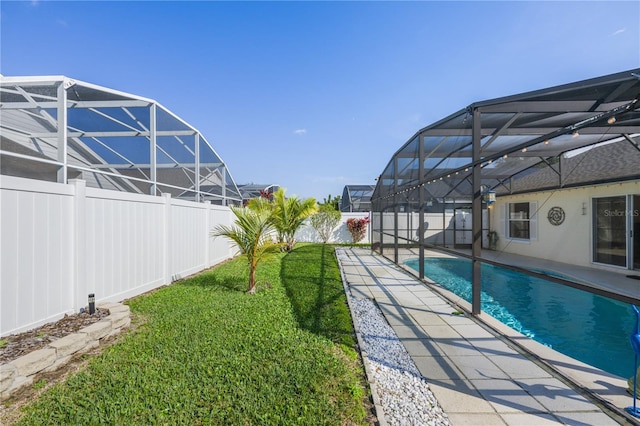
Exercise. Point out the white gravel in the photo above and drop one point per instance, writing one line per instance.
(401, 390)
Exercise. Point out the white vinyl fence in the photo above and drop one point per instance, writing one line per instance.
(340, 234)
(61, 242)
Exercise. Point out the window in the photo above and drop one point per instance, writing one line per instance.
(521, 221)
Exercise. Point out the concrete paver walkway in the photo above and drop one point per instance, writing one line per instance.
(478, 377)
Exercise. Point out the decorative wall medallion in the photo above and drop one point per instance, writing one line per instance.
(555, 216)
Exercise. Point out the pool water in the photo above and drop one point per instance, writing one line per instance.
(584, 326)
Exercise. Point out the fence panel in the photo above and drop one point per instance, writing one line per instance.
(219, 247)
(340, 233)
(36, 262)
(123, 245)
(188, 238)
(61, 242)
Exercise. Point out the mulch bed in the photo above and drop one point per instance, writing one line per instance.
(17, 345)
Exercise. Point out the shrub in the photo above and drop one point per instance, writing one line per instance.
(325, 221)
(357, 228)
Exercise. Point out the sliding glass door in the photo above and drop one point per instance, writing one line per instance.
(610, 230)
(616, 231)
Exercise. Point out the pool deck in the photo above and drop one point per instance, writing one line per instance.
(481, 371)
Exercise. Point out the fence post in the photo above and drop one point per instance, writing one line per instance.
(166, 261)
(207, 240)
(78, 244)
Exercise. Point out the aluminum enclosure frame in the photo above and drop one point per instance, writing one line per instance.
(559, 137)
(56, 128)
(356, 198)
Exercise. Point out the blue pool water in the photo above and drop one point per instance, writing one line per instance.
(584, 326)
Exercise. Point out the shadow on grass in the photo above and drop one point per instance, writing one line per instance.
(312, 280)
(215, 282)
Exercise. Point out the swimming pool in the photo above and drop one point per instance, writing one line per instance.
(584, 326)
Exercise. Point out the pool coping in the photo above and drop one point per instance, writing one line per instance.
(583, 377)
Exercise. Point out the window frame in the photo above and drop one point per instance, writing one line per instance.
(530, 221)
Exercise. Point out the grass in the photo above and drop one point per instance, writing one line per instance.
(39, 384)
(314, 286)
(208, 353)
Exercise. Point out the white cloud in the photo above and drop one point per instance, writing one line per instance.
(62, 23)
(300, 131)
(620, 31)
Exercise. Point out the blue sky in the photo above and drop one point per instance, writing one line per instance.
(317, 95)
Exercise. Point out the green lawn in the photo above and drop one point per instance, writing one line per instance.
(208, 353)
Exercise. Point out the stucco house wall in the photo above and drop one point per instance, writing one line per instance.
(570, 242)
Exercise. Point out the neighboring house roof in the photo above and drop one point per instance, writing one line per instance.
(252, 190)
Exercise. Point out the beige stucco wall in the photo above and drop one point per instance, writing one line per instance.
(570, 242)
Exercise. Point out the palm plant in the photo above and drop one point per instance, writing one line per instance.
(251, 236)
(288, 214)
(261, 204)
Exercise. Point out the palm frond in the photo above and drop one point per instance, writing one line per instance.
(289, 214)
(251, 234)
